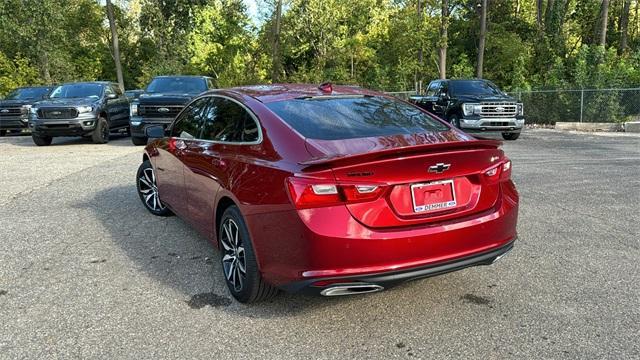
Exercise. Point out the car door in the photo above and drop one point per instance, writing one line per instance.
(227, 128)
(169, 162)
(431, 97)
(442, 100)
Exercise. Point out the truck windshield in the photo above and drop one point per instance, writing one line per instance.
(77, 91)
(177, 85)
(473, 87)
(28, 93)
(337, 118)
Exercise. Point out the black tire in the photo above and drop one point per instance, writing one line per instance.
(136, 140)
(148, 190)
(101, 134)
(42, 140)
(510, 136)
(3, 133)
(454, 119)
(248, 287)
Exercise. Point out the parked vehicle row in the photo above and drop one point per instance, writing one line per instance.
(14, 108)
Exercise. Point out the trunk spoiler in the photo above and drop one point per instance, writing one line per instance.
(341, 160)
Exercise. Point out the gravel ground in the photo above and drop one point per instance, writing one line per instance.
(86, 272)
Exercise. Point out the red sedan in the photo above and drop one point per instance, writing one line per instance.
(329, 190)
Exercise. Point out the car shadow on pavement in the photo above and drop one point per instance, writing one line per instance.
(24, 139)
(169, 252)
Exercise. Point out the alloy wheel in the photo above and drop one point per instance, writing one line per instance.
(233, 261)
(149, 190)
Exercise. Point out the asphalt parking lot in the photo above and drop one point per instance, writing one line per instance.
(86, 272)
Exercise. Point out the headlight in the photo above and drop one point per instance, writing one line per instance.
(33, 110)
(85, 109)
(133, 109)
(520, 109)
(25, 109)
(470, 109)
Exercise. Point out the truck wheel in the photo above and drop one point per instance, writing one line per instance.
(454, 119)
(239, 265)
(510, 136)
(101, 134)
(42, 140)
(3, 133)
(139, 140)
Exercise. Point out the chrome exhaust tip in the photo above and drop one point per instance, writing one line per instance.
(351, 289)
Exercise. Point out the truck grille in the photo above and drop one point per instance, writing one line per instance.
(498, 109)
(57, 113)
(160, 111)
(10, 111)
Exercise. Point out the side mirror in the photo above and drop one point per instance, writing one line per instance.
(155, 132)
(112, 96)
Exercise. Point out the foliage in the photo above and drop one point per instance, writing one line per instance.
(373, 43)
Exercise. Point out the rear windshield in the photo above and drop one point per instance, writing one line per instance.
(336, 118)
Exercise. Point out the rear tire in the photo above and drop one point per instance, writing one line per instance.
(510, 136)
(239, 265)
(101, 133)
(148, 190)
(42, 140)
(138, 140)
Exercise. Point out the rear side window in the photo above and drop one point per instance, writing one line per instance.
(225, 120)
(188, 122)
(336, 118)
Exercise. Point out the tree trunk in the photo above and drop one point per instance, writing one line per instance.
(116, 46)
(539, 5)
(275, 55)
(602, 28)
(418, 74)
(548, 13)
(444, 25)
(481, 40)
(624, 25)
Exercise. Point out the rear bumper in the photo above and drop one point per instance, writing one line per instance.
(298, 248)
(393, 278)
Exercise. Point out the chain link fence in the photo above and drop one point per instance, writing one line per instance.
(584, 105)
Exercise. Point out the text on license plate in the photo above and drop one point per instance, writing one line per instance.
(433, 196)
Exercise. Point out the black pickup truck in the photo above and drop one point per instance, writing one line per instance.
(92, 109)
(474, 105)
(14, 108)
(163, 99)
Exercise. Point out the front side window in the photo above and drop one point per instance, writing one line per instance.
(340, 117)
(187, 125)
(227, 121)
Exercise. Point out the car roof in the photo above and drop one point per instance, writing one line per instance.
(182, 76)
(89, 82)
(36, 87)
(280, 92)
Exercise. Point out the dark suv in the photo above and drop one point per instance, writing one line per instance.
(474, 105)
(162, 101)
(14, 109)
(80, 109)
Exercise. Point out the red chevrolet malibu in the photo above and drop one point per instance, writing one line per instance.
(329, 190)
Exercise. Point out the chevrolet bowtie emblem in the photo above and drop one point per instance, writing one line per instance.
(439, 168)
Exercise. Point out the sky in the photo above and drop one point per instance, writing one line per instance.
(252, 9)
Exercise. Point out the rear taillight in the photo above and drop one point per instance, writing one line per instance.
(500, 172)
(310, 193)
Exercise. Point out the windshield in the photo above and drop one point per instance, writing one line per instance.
(27, 94)
(177, 85)
(77, 91)
(337, 118)
(476, 87)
